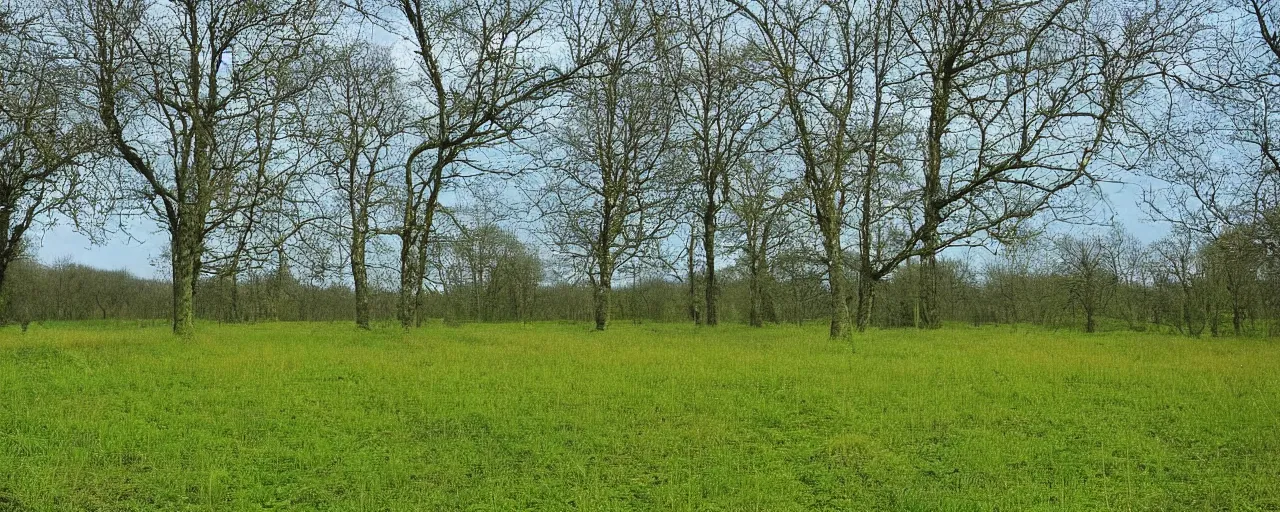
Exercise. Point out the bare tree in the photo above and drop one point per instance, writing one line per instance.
(608, 192)
(275, 202)
(45, 138)
(1178, 263)
(1234, 260)
(815, 52)
(759, 199)
(1214, 151)
(486, 69)
(167, 81)
(1026, 101)
(1128, 259)
(485, 270)
(844, 72)
(722, 108)
(358, 124)
(1090, 283)
(884, 192)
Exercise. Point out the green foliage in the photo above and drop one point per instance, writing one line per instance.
(657, 417)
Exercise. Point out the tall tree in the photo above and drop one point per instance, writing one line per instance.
(45, 138)
(485, 70)
(882, 189)
(357, 131)
(815, 52)
(759, 198)
(1027, 101)
(609, 189)
(722, 107)
(168, 80)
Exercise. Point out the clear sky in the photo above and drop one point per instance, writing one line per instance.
(134, 251)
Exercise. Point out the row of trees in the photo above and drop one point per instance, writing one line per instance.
(644, 140)
(1176, 283)
(1107, 280)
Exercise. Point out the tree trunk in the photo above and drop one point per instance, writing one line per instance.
(183, 263)
(835, 274)
(413, 261)
(693, 280)
(754, 260)
(1186, 311)
(419, 291)
(360, 277)
(1237, 318)
(930, 316)
(866, 298)
(866, 272)
(235, 296)
(709, 251)
(603, 290)
(939, 104)
(754, 317)
(408, 278)
(7, 254)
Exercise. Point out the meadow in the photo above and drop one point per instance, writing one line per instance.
(318, 416)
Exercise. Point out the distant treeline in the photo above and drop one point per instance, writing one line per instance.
(1090, 283)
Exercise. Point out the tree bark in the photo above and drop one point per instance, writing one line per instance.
(360, 277)
(866, 299)
(8, 251)
(1186, 310)
(929, 277)
(693, 280)
(603, 289)
(709, 251)
(184, 255)
(755, 264)
(835, 270)
(235, 296)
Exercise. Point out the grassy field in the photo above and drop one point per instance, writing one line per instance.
(657, 417)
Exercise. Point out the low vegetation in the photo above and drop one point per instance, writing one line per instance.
(320, 416)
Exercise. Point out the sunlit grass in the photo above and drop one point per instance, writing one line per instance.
(660, 417)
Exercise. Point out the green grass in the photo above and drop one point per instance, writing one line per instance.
(663, 417)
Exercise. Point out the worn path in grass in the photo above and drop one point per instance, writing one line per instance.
(665, 417)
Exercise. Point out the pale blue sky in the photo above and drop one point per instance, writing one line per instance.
(118, 252)
(138, 250)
